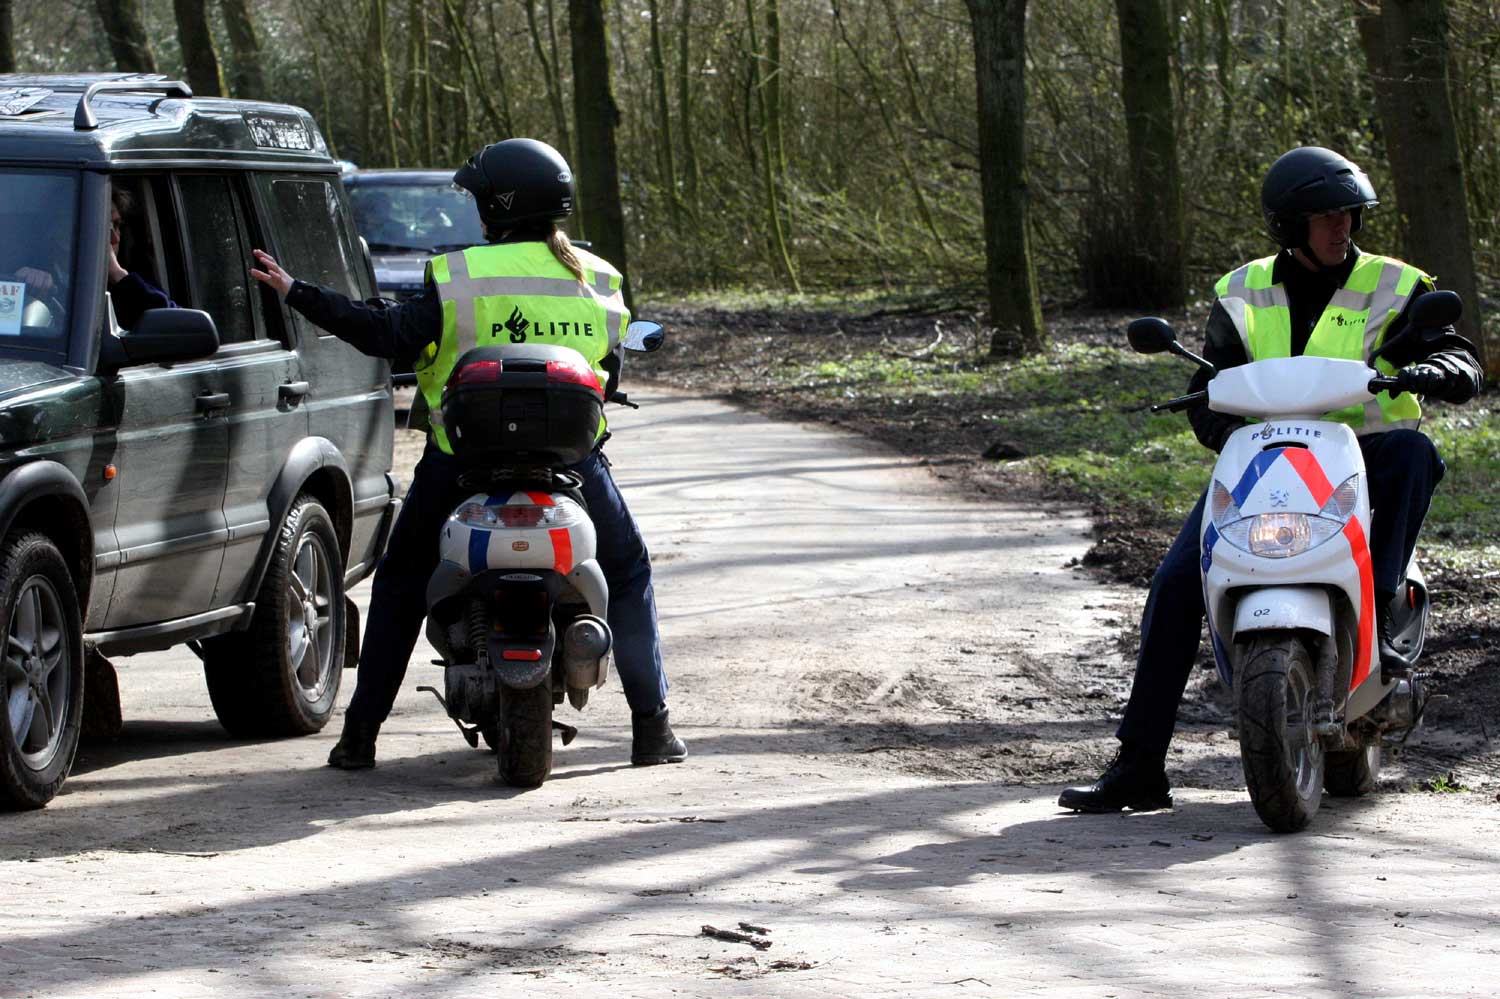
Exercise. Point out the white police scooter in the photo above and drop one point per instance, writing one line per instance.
(518, 605)
(1287, 575)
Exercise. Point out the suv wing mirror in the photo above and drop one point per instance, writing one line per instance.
(162, 336)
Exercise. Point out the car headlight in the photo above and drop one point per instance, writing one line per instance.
(1281, 535)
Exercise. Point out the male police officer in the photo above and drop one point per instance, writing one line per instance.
(1320, 295)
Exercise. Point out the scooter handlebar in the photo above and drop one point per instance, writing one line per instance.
(1384, 383)
(1180, 403)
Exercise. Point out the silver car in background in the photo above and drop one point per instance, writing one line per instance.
(407, 217)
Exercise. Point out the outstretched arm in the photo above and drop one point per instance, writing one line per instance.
(395, 332)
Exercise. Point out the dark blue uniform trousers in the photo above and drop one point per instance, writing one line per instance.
(398, 597)
(1403, 470)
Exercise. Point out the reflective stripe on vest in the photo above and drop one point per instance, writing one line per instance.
(1352, 325)
(518, 293)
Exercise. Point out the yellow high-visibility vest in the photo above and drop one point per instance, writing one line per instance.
(1352, 325)
(518, 293)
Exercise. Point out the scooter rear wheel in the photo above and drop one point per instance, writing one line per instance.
(1283, 759)
(524, 753)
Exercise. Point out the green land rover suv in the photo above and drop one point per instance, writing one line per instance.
(183, 460)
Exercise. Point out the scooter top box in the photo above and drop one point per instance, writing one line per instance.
(524, 402)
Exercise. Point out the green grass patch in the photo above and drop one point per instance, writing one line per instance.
(1447, 783)
(1463, 526)
(1079, 414)
(856, 301)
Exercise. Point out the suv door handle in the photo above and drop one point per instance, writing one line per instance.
(292, 391)
(212, 402)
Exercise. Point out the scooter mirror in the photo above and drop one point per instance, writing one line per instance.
(1436, 308)
(643, 336)
(1150, 335)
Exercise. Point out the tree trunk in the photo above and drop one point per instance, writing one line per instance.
(663, 138)
(126, 30)
(999, 64)
(773, 93)
(597, 117)
(247, 76)
(781, 254)
(198, 52)
(458, 35)
(326, 121)
(377, 48)
(556, 52)
(7, 38)
(554, 89)
(1155, 184)
(423, 71)
(685, 105)
(501, 84)
(899, 141)
(1406, 46)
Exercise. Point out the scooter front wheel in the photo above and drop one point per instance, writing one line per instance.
(524, 753)
(1279, 748)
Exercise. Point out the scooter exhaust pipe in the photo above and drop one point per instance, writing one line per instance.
(586, 641)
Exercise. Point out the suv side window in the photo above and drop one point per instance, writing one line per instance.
(217, 249)
(311, 237)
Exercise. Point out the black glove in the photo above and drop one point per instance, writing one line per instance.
(1424, 379)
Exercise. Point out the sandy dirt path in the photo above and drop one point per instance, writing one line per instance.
(879, 683)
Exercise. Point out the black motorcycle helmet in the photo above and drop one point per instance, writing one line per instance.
(518, 181)
(1307, 181)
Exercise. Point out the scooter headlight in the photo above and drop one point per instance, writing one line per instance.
(1281, 535)
(1278, 535)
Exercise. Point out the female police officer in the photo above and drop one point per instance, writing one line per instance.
(522, 187)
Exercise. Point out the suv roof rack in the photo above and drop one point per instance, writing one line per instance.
(84, 119)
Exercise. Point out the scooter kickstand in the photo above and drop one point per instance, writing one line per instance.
(471, 735)
(569, 733)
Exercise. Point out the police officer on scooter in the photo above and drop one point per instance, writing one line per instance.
(1320, 295)
(522, 188)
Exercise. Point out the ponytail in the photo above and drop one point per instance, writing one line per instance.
(562, 249)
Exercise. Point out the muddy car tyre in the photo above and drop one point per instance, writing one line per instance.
(281, 677)
(41, 671)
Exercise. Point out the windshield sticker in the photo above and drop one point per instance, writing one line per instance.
(12, 304)
(278, 131)
(19, 100)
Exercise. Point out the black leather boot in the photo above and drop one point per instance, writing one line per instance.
(1393, 662)
(652, 740)
(1131, 781)
(355, 749)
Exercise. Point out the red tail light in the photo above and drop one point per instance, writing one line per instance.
(574, 373)
(520, 515)
(476, 372)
